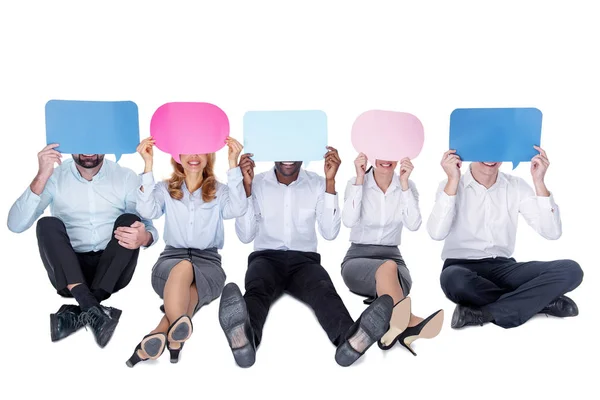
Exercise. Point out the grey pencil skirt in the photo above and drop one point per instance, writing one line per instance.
(361, 264)
(209, 277)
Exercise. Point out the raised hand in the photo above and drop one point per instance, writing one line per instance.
(146, 150)
(451, 164)
(247, 168)
(46, 159)
(235, 149)
(406, 167)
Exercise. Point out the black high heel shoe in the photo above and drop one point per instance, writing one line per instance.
(426, 329)
(174, 353)
(180, 330)
(398, 323)
(152, 344)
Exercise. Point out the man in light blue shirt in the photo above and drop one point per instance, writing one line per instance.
(91, 243)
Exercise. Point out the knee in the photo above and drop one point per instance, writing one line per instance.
(126, 219)
(386, 270)
(452, 281)
(46, 224)
(573, 273)
(182, 268)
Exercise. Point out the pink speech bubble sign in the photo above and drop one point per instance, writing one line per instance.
(189, 128)
(387, 135)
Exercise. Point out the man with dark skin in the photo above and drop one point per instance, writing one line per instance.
(284, 204)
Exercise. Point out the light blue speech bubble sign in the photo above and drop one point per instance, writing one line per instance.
(93, 127)
(297, 135)
(496, 134)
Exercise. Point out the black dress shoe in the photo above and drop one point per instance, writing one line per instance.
(100, 320)
(235, 321)
(561, 307)
(465, 316)
(373, 323)
(65, 322)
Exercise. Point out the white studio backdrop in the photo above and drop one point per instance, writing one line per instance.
(344, 57)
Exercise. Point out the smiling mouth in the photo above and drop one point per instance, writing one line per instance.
(288, 164)
(194, 163)
(386, 165)
(490, 164)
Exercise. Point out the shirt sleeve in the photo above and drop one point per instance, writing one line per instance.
(132, 206)
(411, 214)
(234, 202)
(442, 216)
(540, 212)
(246, 226)
(329, 217)
(352, 204)
(29, 206)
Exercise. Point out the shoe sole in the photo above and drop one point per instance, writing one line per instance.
(53, 332)
(233, 315)
(398, 323)
(153, 346)
(181, 331)
(429, 331)
(374, 321)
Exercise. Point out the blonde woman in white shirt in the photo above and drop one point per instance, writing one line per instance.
(188, 273)
(378, 203)
(476, 214)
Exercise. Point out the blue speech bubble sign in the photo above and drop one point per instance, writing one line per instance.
(93, 127)
(297, 135)
(495, 134)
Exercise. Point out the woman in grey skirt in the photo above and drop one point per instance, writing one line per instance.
(378, 203)
(188, 273)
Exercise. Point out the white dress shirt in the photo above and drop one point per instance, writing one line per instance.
(191, 222)
(88, 209)
(376, 217)
(481, 223)
(282, 217)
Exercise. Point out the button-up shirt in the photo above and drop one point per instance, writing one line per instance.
(282, 217)
(191, 222)
(481, 223)
(88, 209)
(376, 217)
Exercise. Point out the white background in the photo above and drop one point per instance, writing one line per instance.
(347, 57)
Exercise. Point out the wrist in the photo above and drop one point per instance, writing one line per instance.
(330, 185)
(232, 164)
(148, 167)
(404, 185)
(149, 239)
(248, 189)
(360, 179)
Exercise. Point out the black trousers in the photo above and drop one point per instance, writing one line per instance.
(512, 292)
(109, 270)
(273, 272)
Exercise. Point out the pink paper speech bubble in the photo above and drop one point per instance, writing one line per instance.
(387, 135)
(189, 128)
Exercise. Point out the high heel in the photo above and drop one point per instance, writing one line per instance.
(398, 323)
(174, 353)
(152, 344)
(426, 329)
(180, 330)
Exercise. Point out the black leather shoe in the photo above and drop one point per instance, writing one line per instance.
(103, 325)
(373, 323)
(465, 316)
(65, 322)
(235, 321)
(561, 307)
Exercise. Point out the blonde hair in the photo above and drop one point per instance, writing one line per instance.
(209, 181)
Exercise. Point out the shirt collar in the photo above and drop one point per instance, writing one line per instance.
(371, 183)
(469, 180)
(100, 175)
(272, 177)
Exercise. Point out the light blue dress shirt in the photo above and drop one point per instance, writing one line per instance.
(88, 209)
(190, 222)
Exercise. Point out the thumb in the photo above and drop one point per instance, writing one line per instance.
(137, 224)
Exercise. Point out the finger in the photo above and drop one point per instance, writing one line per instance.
(50, 146)
(137, 224)
(126, 245)
(126, 229)
(446, 154)
(331, 148)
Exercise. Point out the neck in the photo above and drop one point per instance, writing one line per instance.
(88, 173)
(286, 180)
(193, 181)
(383, 180)
(486, 180)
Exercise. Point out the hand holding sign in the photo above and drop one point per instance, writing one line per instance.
(495, 134)
(387, 135)
(93, 127)
(189, 128)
